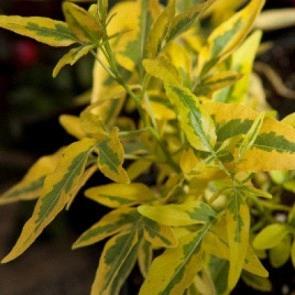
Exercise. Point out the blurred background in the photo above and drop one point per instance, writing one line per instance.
(30, 104)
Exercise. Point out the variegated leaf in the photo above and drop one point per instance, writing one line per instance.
(115, 221)
(194, 120)
(144, 257)
(111, 157)
(115, 264)
(116, 194)
(188, 213)
(44, 30)
(59, 188)
(238, 226)
(173, 271)
(72, 124)
(30, 186)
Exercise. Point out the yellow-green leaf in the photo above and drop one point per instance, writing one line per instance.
(258, 283)
(71, 58)
(188, 213)
(280, 254)
(270, 236)
(195, 121)
(83, 25)
(293, 253)
(111, 157)
(118, 194)
(226, 37)
(173, 271)
(115, 264)
(59, 188)
(115, 221)
(159, 235)
(30, 186)
(162, 69)
(44, 30)
(238, 226)
(137, 168)
(253, 264)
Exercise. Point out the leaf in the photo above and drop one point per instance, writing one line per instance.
(59, 188)
(137, 168)
(116, 194)
(194, 120)
(251, 135)
(274, 147)
(115, 264)
(270, 236)
(71, 58)
(162, 69)
(258, 283)
(111, 157)
(42, 29)
(30, 186)
(159, 235)
(216, 82)
(228, 36)
(83, 25)
(188, 213)
(241, 62)
(174, 270)
(112, 223)
(144, 257)
(159, 30)
(183, 21)
(280, 254)
(238, 225)
(253, 264)
(72, 125)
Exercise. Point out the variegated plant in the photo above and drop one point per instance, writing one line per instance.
(214, 149)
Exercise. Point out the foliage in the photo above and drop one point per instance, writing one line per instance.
(217, 153)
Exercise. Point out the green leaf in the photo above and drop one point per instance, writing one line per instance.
(258, 283)
(115, 221)
(71, 58)
(270, 236)
(111, 157)
(116, 194)
(83, 25)
(59, 188)
(44, 30)
(116, 262)
(144, 257)
(187, 213)
(194, 120)
(174, 270)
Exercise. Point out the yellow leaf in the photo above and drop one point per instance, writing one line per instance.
(280, 254)
(137, 168)
(59, 188)
(144, 257)
(253, 264)
(30, 186)
(44, 30)
(72, 125)
(116, 194)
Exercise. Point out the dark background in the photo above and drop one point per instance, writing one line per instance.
(30, 103)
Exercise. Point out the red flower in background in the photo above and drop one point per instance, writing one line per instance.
(25, 53)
